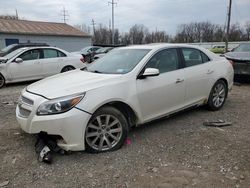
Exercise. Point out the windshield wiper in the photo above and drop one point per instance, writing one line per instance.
(96, 71)
(84, 68)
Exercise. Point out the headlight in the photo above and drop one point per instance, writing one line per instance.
(59, 105)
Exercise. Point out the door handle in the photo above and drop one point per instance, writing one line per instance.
(210, 71)
(179, 80)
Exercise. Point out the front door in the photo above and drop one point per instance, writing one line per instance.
(29, 69)
(164, 93)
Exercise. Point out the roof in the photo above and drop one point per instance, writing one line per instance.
(159, 46)
(39, 28)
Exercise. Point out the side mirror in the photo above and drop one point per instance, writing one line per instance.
(18, 60)
(149, 72)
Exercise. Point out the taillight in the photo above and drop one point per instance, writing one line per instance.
(82, 59)
(231, 61)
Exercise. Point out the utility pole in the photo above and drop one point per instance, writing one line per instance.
(113, 21)
(16, 15)
(93, 24)
(228, 23)
(65, 15)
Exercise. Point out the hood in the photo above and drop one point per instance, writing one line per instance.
(243, 56)
(71, 82)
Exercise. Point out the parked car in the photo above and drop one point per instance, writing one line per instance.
(33, 63)
(219, 49)
(94, 108)
(88, 53)
(240, 59)
(14, 47)
(102, 52)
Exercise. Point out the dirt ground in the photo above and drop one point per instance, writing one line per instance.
(172, 152)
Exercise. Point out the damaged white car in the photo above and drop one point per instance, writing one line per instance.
(95, 107)
(34, 63)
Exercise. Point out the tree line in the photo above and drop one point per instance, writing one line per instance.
(186, 33)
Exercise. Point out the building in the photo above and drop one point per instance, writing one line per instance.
(55, 34)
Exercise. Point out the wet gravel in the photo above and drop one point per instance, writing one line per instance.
(171, 152)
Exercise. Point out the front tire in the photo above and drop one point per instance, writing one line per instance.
(2, 81)
(217, 95)
(106, 130)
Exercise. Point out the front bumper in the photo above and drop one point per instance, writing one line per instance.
(69, 125)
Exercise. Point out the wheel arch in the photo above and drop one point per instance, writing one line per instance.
(225, 81)
(67, 66)
(130, 114)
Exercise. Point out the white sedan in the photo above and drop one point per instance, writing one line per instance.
(33, 63)
(93, 108)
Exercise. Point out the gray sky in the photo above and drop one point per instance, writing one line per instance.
(161, 14)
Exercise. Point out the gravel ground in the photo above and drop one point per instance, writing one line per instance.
(174, 152)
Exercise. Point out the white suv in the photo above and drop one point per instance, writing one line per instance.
(94, 108)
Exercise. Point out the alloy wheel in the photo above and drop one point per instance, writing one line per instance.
(2, 81)
(219, 95)
(103, 132)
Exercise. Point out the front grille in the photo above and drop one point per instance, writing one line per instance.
(24, 112)
(25, 106)
(27, 101)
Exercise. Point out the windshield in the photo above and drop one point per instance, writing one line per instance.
(118, 61)
(102, 50)
(242, 48)
(12, 54)
(85, 49)
(6, 49)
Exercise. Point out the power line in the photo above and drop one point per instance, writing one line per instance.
(113, 20)
(65, 14)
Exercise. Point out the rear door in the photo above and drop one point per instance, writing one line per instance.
(199, 72)
(165, 93)
(51, 60)
(29, 69)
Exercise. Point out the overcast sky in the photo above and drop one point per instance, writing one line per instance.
(161, 14)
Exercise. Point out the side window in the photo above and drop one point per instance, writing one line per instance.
(165, 61)
(192, 57)
(49, 53)
(204, 58)
(61, 54)
(30, 55)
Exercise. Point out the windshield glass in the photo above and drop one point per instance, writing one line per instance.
(102, 50)
(85, 49)
(118, 61)
(6, 49)
(242, 48)
(12, 54)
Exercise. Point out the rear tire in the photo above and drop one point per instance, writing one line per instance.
(68, 68)
(217, 96)
(2, 81)
(106, 130)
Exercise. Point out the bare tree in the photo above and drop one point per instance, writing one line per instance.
(137, 34)
(9, 17)
(83, 27)
(247, 27)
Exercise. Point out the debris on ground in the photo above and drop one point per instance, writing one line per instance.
(45, 146)
(237, 84)
(218, 123)
(128, 141)
(5, 183)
